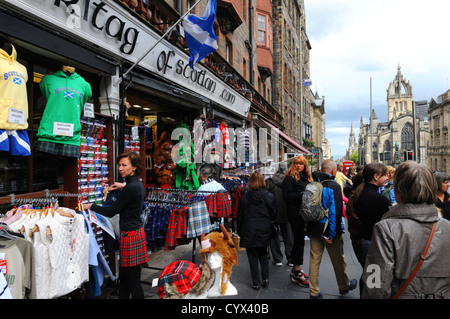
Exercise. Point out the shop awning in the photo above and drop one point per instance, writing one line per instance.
(288, 139)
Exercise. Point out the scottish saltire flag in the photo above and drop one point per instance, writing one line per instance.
(199, 33)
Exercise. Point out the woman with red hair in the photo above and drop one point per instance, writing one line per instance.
(294, 183)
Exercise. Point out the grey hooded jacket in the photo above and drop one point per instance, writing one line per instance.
(398, 241)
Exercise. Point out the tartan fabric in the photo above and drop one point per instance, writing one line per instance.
(235, 199)
(157, 220)
(181, 273)
(177, 228)
(58, 149)
(183, 216)
(133, 248)
(198, 220)
(219, 205)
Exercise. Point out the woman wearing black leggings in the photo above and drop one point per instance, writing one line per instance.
(133, 247)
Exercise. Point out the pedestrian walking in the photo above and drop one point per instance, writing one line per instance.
(129, 205)
(281, 223)
(294, 183)
(369, 204)
(257, 210)
(409, 256)
(354, 224)
(443, 197)
(328, 234)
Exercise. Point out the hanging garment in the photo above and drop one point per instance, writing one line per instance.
(68, 252)
(66, 96)
(15, 142)
(99, 266)
(5, 292)
(198, 220)
(219, 205)
(41, 258)
(58, 149)
(17, 265)
(13, 92)
(177, 228)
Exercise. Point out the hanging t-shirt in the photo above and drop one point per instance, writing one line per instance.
(13, 92)
(66, 96)
(17, 266)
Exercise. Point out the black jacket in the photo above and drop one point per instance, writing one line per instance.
(370, 207)
(292, 192)
(128, 205)
(257, 209)
(444, 207)
(316, 229)
(274, 185)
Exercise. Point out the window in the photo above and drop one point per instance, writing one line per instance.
(261, 29)
(229, 52)
(386, 151)
(407, 137)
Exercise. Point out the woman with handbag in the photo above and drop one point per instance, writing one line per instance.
(257, 210)
(409, 256)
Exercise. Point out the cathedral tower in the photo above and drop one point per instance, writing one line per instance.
(399, 96)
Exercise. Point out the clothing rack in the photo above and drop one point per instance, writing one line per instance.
(176, 196)
(48, 196)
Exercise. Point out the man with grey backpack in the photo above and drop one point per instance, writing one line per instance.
(325, 232)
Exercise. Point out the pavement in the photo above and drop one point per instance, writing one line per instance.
(280, 286)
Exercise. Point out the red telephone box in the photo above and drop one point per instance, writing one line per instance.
(346, 165)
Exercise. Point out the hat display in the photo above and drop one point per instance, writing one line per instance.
(223, 244)
(180, 277)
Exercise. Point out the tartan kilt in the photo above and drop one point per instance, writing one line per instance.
(133, 248)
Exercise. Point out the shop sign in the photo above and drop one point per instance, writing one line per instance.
(198, 77)
(109, 27)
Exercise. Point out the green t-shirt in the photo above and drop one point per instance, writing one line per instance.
(66, 96)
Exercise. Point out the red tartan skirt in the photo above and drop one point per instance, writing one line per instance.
(133, 248)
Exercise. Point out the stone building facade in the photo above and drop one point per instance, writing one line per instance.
(393, 141)
(439, 145)
(291, 66)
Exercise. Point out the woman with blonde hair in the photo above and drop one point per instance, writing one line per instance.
(257, 209)
(410, 232)
(294, 183)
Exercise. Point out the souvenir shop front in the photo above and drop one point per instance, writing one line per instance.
(52, 162)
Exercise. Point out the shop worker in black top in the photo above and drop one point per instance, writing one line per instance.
(133, 247)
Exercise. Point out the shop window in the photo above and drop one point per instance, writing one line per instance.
(39, 171)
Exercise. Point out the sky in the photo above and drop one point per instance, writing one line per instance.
(354, 41)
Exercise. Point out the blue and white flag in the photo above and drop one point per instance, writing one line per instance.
(307, 82)
(199, 33)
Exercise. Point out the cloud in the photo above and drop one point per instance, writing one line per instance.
(354, 41)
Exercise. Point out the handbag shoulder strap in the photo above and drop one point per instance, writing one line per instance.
(419, 264)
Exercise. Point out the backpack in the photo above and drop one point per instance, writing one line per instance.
(312, 209)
